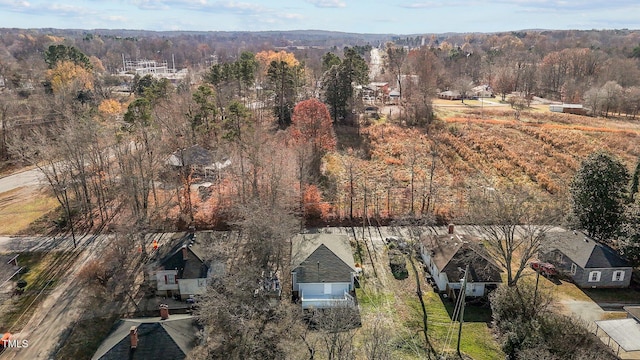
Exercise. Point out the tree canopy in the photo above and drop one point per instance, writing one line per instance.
(339, 80)
(311, 123)
(599, 192)
(58, 53)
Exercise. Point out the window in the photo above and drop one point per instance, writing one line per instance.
(574, 268)
(594, 276)
(170, 279)
(618, 275)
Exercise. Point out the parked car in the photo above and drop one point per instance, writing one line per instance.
(544, 268)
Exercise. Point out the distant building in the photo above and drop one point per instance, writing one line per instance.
(450, 95)
(157, 69)
(482, 91)
(577, 109)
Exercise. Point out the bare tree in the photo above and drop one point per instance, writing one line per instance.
(338, 326)
(513, 223)
(464, 85)
(376, 343)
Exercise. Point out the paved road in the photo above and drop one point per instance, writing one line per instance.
(24, 178)
(376, 63)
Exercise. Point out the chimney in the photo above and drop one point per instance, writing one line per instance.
(451, 228)
(133, 335)
(184, 252)
(164, 311)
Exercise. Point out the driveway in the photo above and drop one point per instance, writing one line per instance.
(588, 311)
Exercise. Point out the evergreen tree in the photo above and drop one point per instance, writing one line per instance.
(599, 192)
(58, 53)
(284, 80)
(339, 81)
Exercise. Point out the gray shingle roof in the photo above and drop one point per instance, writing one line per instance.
(322, 258)
(194, 155)
(452, 253)
(582, 250)
(169, 339)
(191, 267)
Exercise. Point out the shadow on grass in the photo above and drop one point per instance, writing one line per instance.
(569, 289)
(82, 339)
(476, 310)
(630, 296)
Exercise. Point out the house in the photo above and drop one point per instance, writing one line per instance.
(323, 270)
(198, 159)
(380, 89)
(587, 262)
(577, 109)
(394, 97)
(482, 91)
(165, 337)
(450, 95)
(446, 258)
(182, 272)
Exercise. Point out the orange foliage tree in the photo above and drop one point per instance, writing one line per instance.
(311, 123)
(110, 109)
(66, 76)
(266, 57)
(314, 207)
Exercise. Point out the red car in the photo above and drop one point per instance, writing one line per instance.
(544, 268)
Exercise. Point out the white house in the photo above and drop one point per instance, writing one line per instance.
(323, 270)
(447, 256)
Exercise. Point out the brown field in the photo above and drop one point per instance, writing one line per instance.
(473, 149)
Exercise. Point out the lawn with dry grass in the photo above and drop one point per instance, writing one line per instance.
(20, 207)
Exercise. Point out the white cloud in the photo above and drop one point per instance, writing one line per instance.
(527, 4)
(328, 3)
(16, 5)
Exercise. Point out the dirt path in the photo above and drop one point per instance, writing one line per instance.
(58, 311)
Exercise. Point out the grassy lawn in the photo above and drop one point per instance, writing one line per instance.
(18, 209)
(567, 290)
(477, 339)
(40, 277)
(397, 302)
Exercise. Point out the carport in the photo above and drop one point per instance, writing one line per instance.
(624, 332)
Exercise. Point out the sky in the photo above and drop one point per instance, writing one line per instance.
(358, 16)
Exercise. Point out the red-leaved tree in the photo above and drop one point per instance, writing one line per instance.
(312, 124)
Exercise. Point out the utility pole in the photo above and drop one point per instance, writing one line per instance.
(463, 293)
(535, 293)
